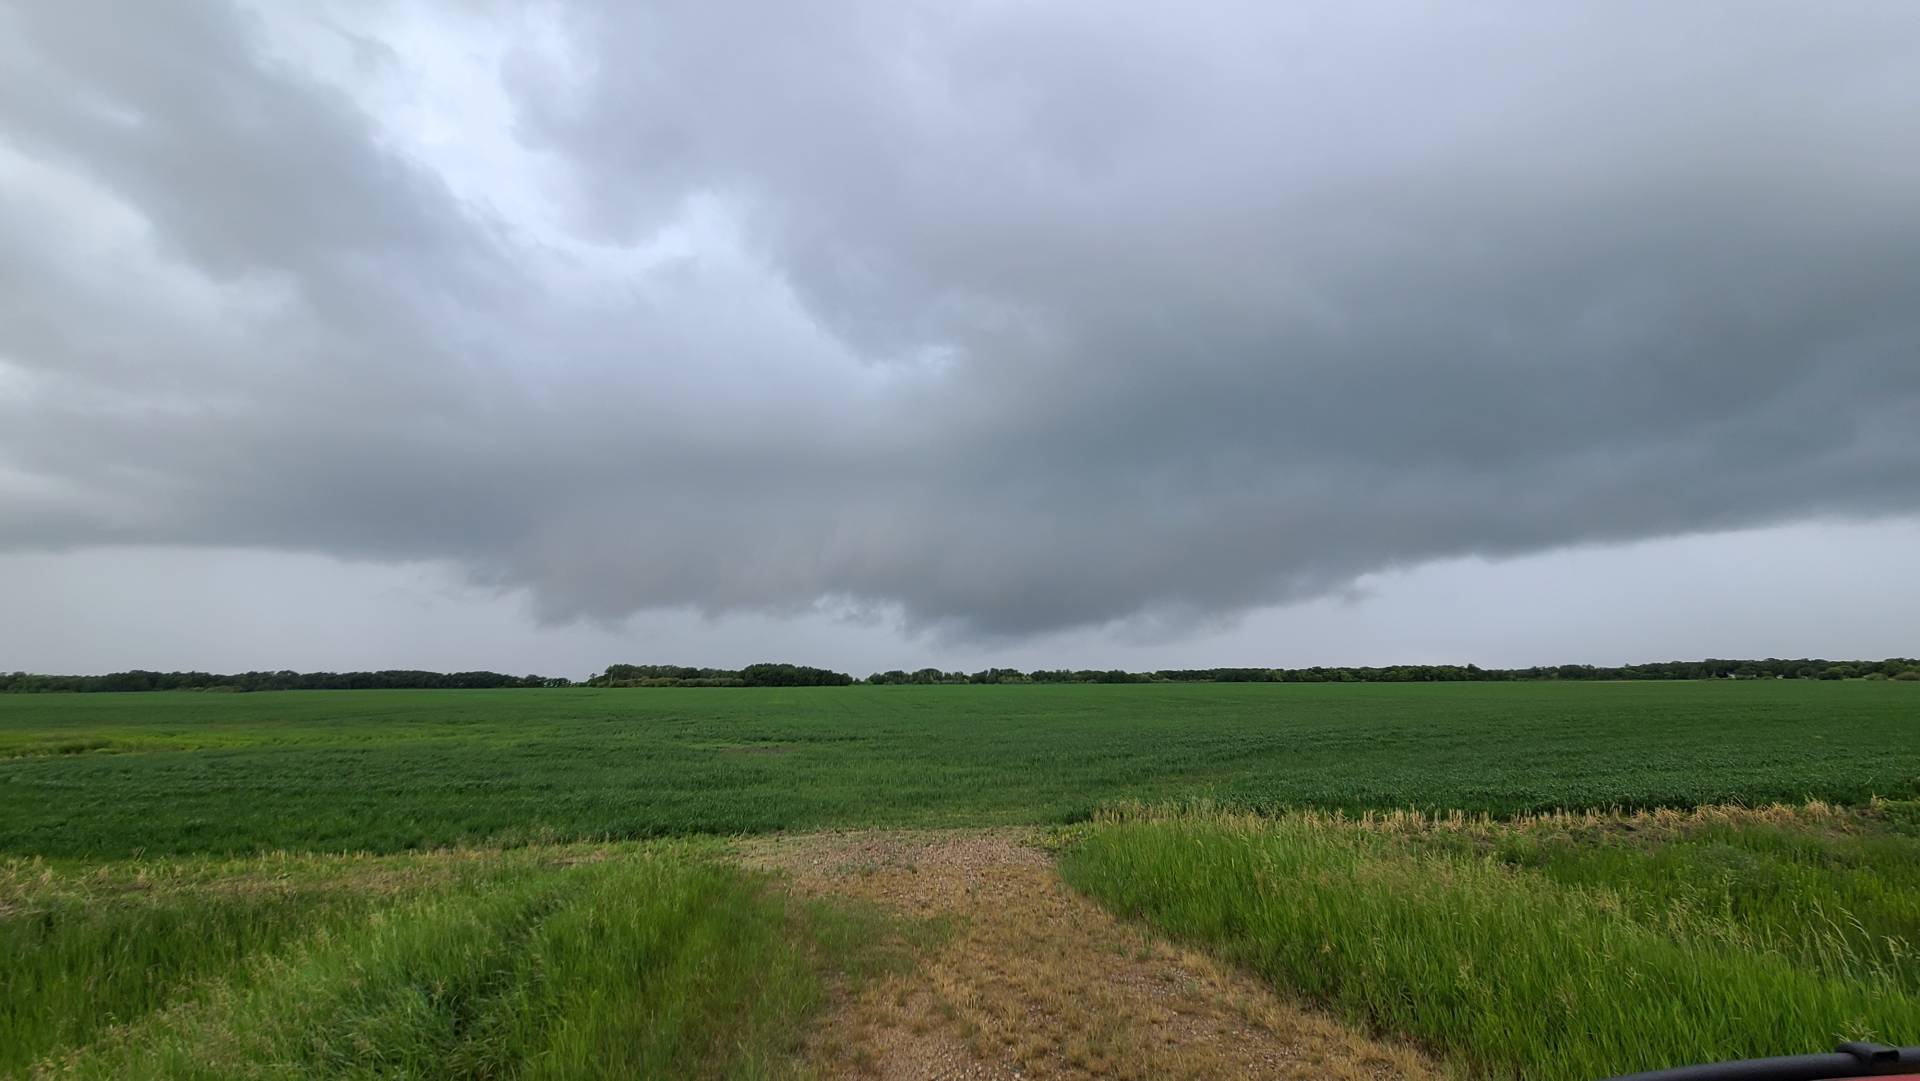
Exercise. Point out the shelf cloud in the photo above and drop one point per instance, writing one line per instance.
(1006, 318)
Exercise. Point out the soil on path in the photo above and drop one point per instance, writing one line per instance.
(1034, 980)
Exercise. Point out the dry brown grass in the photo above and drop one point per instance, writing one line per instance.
(1036, 981)
(32, 883)
(1662, 820)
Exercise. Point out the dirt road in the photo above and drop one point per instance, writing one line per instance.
(1034, 981)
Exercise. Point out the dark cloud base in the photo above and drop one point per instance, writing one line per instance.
(1008, 320)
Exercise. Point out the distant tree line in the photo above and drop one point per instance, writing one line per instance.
(1014, 675)
(797, 675)
(753, 675)
(1902, 668)
(140, 680)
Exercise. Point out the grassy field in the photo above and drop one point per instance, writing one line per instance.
(105, 775)
(478, 884)
(650, 960)
(1556, 949)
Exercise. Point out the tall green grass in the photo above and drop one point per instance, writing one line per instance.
(1836, 890)
(89, 946)
(1511, 970)
(659, 961)
(72, 968)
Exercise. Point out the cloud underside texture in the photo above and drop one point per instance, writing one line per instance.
(1006, 318)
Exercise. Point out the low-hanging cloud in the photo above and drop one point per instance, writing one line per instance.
(1009, 317)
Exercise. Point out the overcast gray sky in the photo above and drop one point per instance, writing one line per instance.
(537, 336)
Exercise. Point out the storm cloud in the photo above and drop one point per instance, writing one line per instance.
(1005, 318)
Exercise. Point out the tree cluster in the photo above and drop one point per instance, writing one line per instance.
(1013, 675)
(753, 675)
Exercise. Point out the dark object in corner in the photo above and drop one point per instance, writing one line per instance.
(1848, 1060)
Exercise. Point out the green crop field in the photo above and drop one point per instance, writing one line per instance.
(539, 883)
(117, 775)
